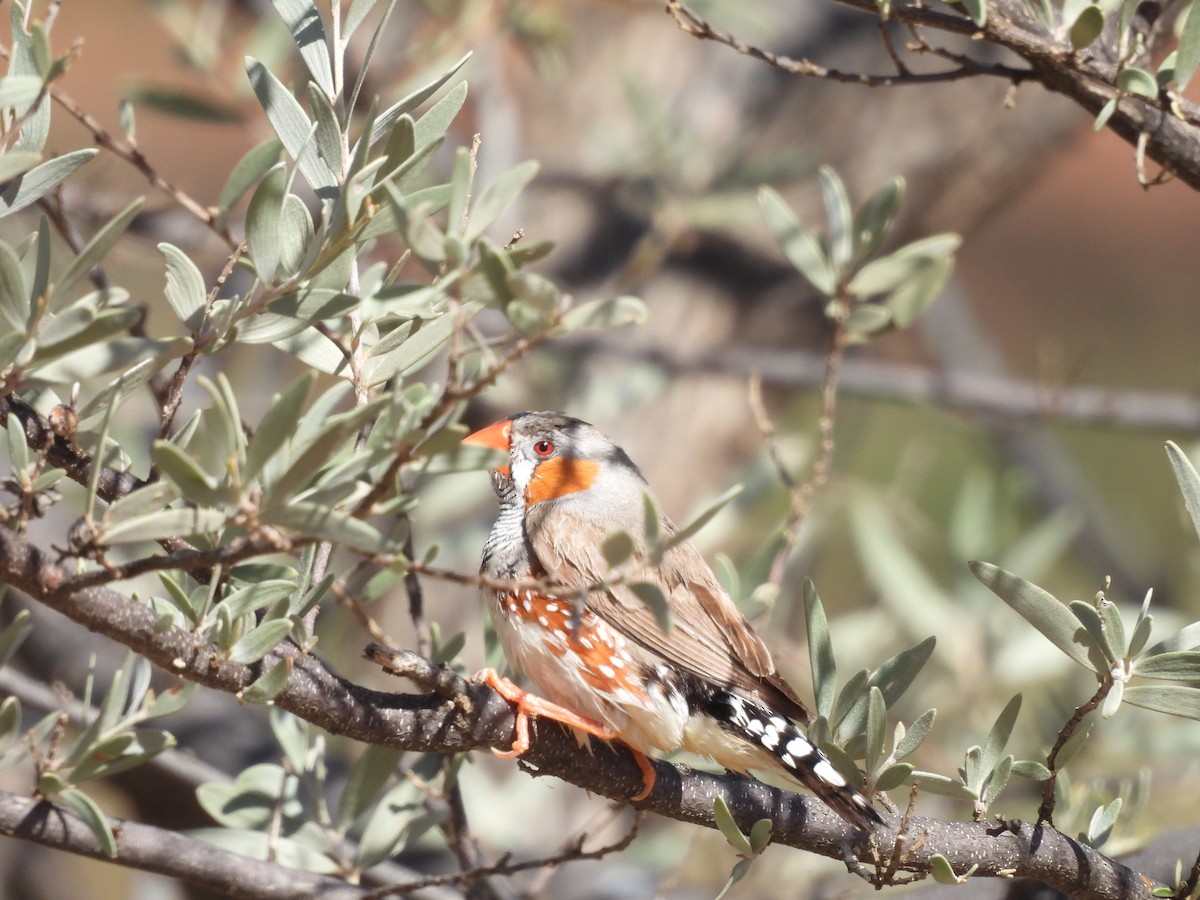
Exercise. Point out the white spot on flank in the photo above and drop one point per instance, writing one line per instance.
(771, 738)
(755, 726)
(543, 621)
(526, 604)
(560, 634)
(551, 607)
(587, 643)
(607, 671)
(618, 663)
(798, 746)
(824, 770)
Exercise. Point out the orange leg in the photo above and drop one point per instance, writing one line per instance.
(530, 704)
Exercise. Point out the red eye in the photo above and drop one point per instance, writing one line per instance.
(543, 448)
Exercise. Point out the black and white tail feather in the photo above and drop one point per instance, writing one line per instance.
(796, 754)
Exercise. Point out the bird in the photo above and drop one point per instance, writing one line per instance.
(607, 667)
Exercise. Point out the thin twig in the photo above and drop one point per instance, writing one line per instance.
(1046, 809)
(573, 854)
(690, 23)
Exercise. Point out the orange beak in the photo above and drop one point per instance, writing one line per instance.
(494, 437)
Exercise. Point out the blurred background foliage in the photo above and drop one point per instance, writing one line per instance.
(652, 147)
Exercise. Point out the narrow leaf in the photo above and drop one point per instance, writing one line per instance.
(185, 287)
(40, 180)
(87, 810)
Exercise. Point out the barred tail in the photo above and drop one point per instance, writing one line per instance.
(795, 754)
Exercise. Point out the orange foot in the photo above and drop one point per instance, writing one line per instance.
(530, 704)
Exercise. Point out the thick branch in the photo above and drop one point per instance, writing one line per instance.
(167, 853)
(431, 723)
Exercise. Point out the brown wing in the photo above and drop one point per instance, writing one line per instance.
(710, 638)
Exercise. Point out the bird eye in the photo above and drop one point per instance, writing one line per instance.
(543, 448)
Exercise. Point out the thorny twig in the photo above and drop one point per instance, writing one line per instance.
(573, 853)
(1046, 809)
(690, 23)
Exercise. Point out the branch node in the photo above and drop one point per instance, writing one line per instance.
(424, 673)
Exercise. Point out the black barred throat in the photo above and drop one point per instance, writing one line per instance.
(784, 740)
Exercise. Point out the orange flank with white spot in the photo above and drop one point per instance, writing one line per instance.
(601, 656)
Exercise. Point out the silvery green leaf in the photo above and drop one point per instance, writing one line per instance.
(170, 700)
(1185, 475)
(704, 517)
(1106, 112)
(874, 221)
(973, 771)
(87, 810)
(18, 449)
(914, 296)
(185, 287)
(729, 829)
(308, 31)
(1086, 27)
(1112, 701)
(799, 245)
(13, 164)
(276, 425)
(1028, 768)
(316, 448)
(267, 686)
(1090, 619)
(249, 169)
(257, 596)
(617, 548)
(977, 10)
(889, 272)
(186, 473)
(421, 345)
(736, 874)
(257, 643)
(268, 328)
(385, 828)
(19, 91)
(852, 694)
(820, 651)
(866, 320)
(1101, 824)
(97, 248)
(1114, 629)
(839, 216)
(1041, 609)
(1180, 665)
(10, 721)
(652, 596)
(314, 304)
(611, 312)
(79, 326)
(250, 800)
(1142, 630)
(916, 734)
(1187, 638)
(327, 524)
(876, 729)
(383, 124)
(933, 783)
(13, 635)
(1042, 12)
(997, 781)
(15, 305)
(1137, 81)
(760, 835)
(1073, 744)
(940, 868)
(894, 776)
(166, 523)
(120, 753)
(1188, 54)
(263, 222)
(497, 197)
(542, 294)
(41, 180)
(291, 124)
(433, 125)
(371, 772)
(118, 353)
(314, 349)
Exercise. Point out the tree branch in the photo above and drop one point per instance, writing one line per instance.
(481, 718)
(167, 853)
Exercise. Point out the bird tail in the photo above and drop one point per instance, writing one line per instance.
(795, 754)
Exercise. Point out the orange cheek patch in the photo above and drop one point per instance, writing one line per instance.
(561, 476)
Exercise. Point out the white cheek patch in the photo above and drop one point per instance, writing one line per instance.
(522, 474)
